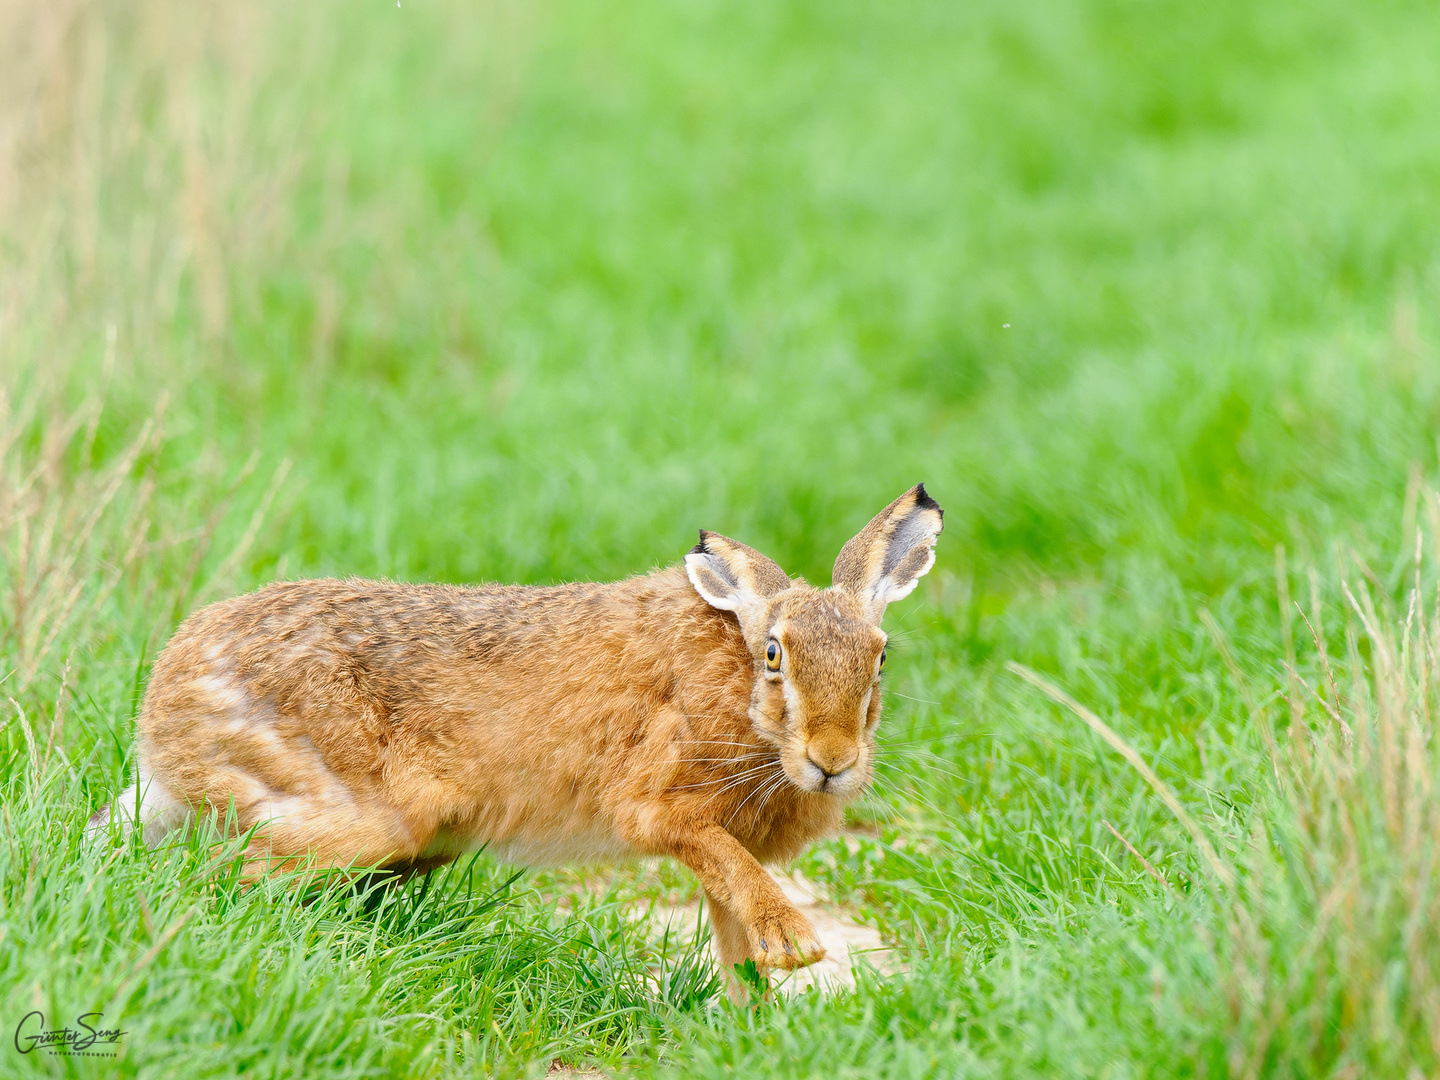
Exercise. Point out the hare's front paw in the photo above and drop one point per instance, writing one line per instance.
(783, 938)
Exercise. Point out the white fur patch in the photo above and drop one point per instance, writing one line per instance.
(887, 591)
(794, 715)
(285, 810)
(146, 804)
(221, 690)
(865, 709)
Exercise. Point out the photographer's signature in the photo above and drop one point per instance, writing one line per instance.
(85, 1039)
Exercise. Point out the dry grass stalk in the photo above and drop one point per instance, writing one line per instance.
(1335, 933)
(1207, 850)
(68, 536)
(1330, 942)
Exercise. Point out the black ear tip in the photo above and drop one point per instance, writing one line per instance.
(925, 502)
(699, 549)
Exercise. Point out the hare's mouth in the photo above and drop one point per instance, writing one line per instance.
(842, 784)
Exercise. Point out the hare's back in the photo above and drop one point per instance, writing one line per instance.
(306, 682)
(300, 677)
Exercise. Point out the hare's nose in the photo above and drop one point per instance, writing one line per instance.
(832, 760)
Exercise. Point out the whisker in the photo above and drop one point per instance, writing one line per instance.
(938, 738)
(774, 787)
(869, 799)
(757, 785)
(907, 697)
(714, 760)
(742, 804)
(768, 790)
(733, 778)
(915, 749)
(962, 777)
(914, 753)
(924, 801)
(752, 752)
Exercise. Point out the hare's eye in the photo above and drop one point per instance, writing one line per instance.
(882, 661)
(772, 655)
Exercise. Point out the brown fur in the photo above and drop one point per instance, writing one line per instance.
(372, 723)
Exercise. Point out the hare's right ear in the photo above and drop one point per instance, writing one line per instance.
(733, 577)
(891, 554)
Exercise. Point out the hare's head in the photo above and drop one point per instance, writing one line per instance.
(818, 653)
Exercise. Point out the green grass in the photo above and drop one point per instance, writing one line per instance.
(1141, 290)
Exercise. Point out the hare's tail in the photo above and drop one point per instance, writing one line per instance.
(146, 804)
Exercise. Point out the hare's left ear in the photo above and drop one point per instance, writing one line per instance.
(883, 563)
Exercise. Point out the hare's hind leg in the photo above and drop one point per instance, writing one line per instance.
(294, 831)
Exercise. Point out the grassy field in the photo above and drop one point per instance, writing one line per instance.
(1147, 293)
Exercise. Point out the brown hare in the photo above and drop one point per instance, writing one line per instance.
(721, 714)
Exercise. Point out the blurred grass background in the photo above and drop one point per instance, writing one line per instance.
(530, 292)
